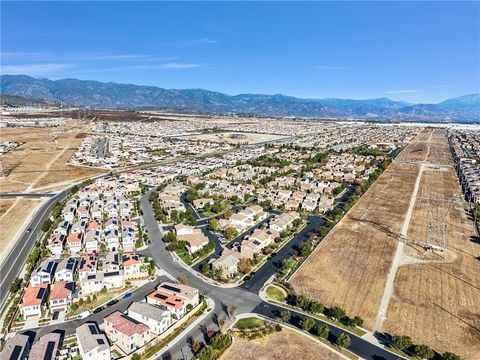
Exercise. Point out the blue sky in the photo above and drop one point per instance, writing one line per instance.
(413, 51)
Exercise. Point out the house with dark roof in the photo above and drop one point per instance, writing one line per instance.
(92, 344)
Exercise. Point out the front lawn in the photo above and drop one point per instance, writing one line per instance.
(249, 323)
(275, 293)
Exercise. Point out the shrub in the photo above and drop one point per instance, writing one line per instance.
(307, 323)
(401, 342)
(424, 352)
(343, 340)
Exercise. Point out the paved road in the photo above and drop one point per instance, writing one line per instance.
(15, 259)
(31, 195)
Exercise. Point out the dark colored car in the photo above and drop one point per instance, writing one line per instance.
(97, 310)
(127, 296)
(112, 302)
(246, 278)
(29, 230)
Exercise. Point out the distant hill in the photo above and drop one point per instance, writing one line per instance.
(15, 101)
(127, 96)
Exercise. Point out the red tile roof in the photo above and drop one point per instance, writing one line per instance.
(125, 324)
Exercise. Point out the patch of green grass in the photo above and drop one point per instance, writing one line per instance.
(275, 293)
(249, 323)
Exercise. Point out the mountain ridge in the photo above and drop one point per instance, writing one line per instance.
(113, 95)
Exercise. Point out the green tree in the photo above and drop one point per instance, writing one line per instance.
(16, 285)
(337, 313)
(136, 356)
(47, 225)
(231, 233)
(424, 352)
(356, 321)
(213, 224)
(450, 356)
(401, 342)
(204, 268)
(170, 237)
(343, 340)
(307, 323)
(316, 307)
(321, 330)
(227, 214)
(286, 315)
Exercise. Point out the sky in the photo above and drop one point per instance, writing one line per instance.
(412, 51)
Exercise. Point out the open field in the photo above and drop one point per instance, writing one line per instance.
(233, 137)
(287, 344)
(350, 266)
(13, 219)
(441, 297)
(5, 204)
(434, 300)
(41, 160)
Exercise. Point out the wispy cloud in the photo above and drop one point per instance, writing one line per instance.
(34, 69)
(331, 67)
(208, 41)
(171, 65)
(402, 91)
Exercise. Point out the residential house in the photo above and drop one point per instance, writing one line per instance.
(112, 240)
(177, 305)
(156, 318)
(65, 270)
(92, 344)
(34, 300)
(44, 273)
(92, 240)
(62, 228)
(127, 333)
(47, 347)
(133, 266)
(55, 244)
(74, 243)
(61, 296)
(189, 293)
(88, 266)
(113, 262)
(227, 263)
(16, 348)
(79, 227)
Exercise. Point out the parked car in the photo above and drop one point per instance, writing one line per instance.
(83, 315)
(127, 296)
(112, 302)
(97, 310)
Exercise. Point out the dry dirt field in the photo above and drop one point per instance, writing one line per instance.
(286, 345)
(234, 137)
(40, 162)
(12, 220)
(349, 268)
(435, 300)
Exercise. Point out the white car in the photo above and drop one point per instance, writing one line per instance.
(83, 315)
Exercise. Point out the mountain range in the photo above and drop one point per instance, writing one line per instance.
(135, 97)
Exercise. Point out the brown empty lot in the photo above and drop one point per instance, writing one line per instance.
(438, 303)
(350, 266)
(286, 345)
(40, 162)
(435, 301)
(12, 220)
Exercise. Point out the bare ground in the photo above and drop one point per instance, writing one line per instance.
(41, 160)
(286, 345)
